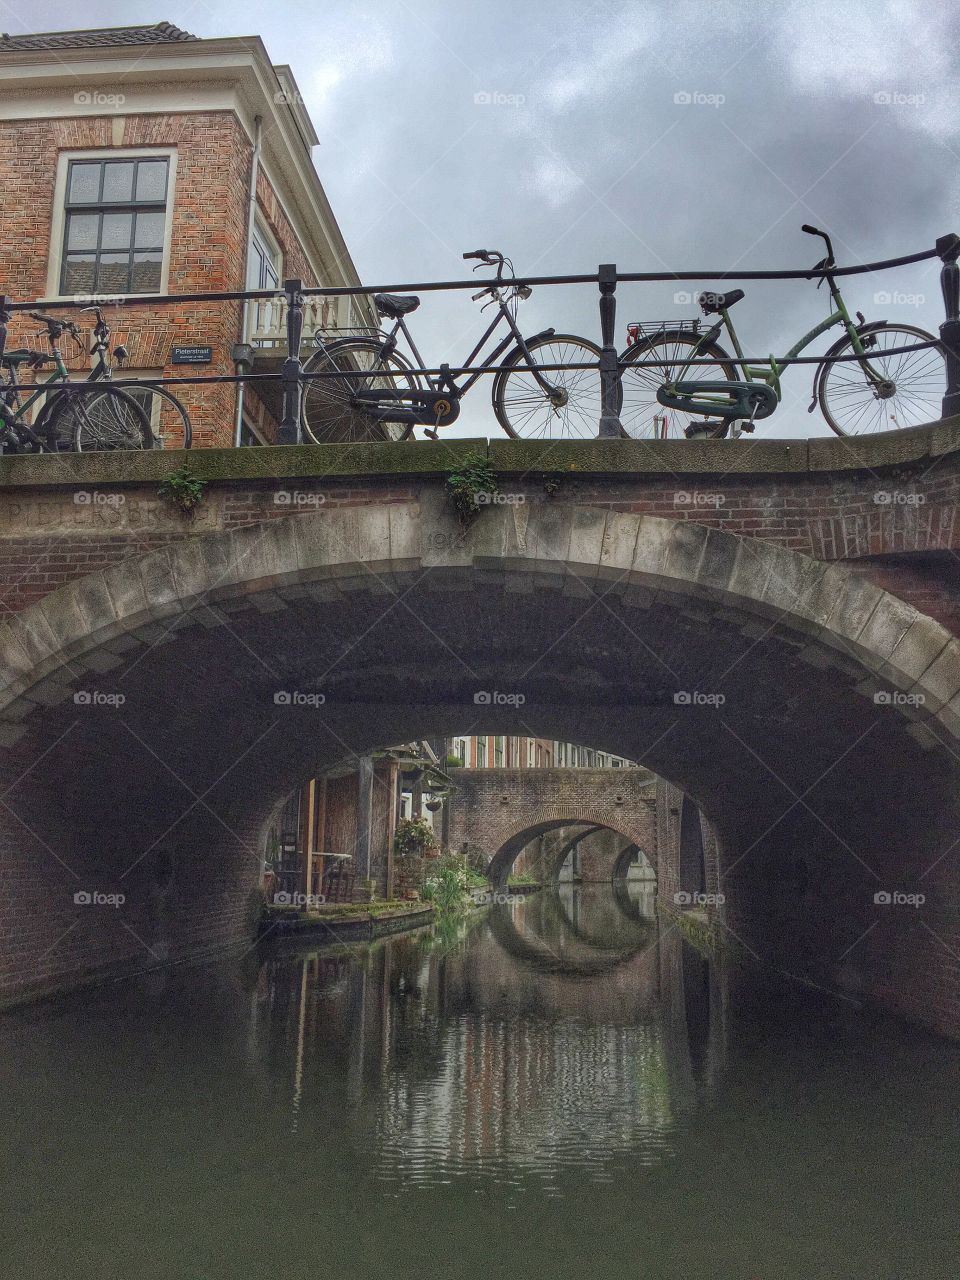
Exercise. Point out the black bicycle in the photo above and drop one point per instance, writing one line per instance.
(169, 420)
(370, 384)
(58, 414)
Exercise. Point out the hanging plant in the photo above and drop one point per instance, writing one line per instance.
(413, 837)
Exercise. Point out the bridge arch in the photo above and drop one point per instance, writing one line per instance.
(248, 659)
(583, 820)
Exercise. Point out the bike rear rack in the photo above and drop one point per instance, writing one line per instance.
(638, 330)
(333, 333)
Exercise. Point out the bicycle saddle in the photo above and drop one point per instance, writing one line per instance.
(719, 301)
(395, 304)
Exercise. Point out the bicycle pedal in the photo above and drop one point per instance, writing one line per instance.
(430, 433)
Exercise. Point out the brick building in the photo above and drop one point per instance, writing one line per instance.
(488, 752)
(142, 160)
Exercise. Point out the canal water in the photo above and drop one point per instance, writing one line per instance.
(550, 1088)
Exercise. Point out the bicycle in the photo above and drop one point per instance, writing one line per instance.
(879, 390)
(69, 414)
(169, 420)
(372, 383)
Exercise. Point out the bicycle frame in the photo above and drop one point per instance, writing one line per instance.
(445, 383)
(770, 373)
(11, 389)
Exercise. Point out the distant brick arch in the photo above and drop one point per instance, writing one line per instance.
(497, 812)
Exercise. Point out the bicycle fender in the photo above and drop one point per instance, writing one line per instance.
(534, 337)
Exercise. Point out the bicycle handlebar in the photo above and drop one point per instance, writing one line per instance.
(54, 325)
(829, 261)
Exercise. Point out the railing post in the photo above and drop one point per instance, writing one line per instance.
(4, 321)
(611, 389)
(290, 424)
(948, 250)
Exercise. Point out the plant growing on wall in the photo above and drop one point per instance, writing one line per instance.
(184, 489)
(471, 487)
(413, 837)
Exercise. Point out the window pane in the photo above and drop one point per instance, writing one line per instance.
(84, 184)
(78, 273)
(152, 180)
(117, 231)
(82, 230)
(146, 272)
(149, 233)
(114, 273)
(117, 181)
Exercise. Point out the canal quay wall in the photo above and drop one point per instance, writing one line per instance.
(769, 626)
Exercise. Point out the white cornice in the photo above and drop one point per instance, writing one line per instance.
(232, 74)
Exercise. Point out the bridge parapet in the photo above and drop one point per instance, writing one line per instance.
(888, 504)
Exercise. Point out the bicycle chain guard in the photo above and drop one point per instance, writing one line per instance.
(753, 400)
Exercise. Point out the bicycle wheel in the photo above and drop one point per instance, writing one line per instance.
(642, 416)
(96, 418)
(168, 419)
(912, 391)
(326, 412)
(525, 410)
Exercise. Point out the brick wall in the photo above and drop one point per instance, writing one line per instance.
(210, 192)
(499, 811)
(46, 538)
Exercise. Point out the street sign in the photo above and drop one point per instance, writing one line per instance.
(191, 355)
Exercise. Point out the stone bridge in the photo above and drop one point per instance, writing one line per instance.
(769, 626)
(505, 813)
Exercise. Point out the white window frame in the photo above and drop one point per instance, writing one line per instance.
(57, 225)
(262, 232)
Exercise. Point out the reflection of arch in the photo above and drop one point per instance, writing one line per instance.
(693, 870)
(555, 905)
(627, 903)
(541, 956)
(498, 869)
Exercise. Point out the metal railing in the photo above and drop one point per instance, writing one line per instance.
(284, 313)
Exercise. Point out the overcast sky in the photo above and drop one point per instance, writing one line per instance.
(562, 133)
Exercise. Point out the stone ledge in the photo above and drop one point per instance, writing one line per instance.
(389, 460)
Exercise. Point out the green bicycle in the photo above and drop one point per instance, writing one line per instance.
(882, 389)
(82, 416)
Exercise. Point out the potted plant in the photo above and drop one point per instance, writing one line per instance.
(414, 838)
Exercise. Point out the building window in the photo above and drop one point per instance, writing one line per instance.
(248, 436)
(481, 753)
(266, 261)
(115, 213)
(498, 753)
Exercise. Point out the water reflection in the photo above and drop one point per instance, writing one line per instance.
(439, 1105)
(550, 1033)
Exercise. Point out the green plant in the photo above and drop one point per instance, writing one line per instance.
(454, 762)
(448, 887)
(472, 486)
(413, 837)
(522, 877)
(184, 489)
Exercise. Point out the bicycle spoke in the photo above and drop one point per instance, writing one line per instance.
(854, 404)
